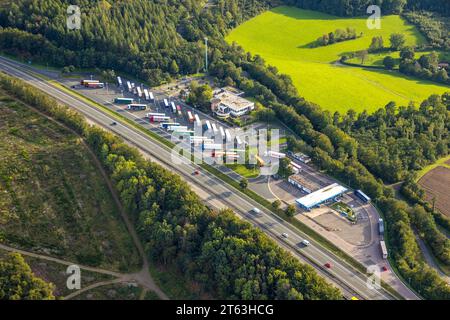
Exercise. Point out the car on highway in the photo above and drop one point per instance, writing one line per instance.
(256, 211)
(328, 265)
(285, 235)
(384, 268)
(305, 243)
(114, 123)
(196, 172)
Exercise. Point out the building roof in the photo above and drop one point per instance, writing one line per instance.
(233, 90)
(234, 102)
(306, 183)
(322, 195)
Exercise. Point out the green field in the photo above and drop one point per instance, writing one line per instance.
(283, 36)
(53, 197)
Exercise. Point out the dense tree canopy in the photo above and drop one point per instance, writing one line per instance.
(336, 142)
(227, 257)
(17, 281)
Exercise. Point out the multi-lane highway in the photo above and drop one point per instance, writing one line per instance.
(351, 281)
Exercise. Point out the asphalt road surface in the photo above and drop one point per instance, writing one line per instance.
(347, 278)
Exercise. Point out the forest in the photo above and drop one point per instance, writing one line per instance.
(337, 144)
(17, 281)
(396, 140)
(359, 7)
(226, 256)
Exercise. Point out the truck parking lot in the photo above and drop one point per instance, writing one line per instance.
(359, 239)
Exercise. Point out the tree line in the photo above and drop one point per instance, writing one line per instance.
(337, 36)
(18, 282)
(341, 154)
(226, 256)
(334, 150)
(359, 7)
(433, 25)
(426, 67)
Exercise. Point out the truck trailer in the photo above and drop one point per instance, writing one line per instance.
(123, 100)
(95, 85)
(137, 107)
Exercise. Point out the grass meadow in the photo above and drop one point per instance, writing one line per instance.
(282, 37)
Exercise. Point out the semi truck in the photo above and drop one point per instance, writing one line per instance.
(174, 107)
(166, 125)
(183, 133)
(198, 122)
(123, 100)
(85, 82)
(179, 110)
(361, 195)
(129, 87)
(139, 92)
(153, 114)
(159, 118)
(95, 85)
(146, 95)
(212, 146)
(214, 127)
(277, 155)
(190, 117)
(137, 107)
(381, 227)
(119, 81)
(207, 126)
(383, 248)
(228, 135)
(166, 103)
(177, 128)
(197, 141)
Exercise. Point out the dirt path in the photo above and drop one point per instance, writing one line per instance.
(60, 261)
(92, 286)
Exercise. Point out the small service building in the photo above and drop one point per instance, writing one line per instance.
(321, 196)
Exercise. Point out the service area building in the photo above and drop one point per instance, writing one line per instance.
(227, 103)
(321, 196)
(303, 184)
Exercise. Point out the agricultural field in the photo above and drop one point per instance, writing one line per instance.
(436, 184)
(53, 197)
(283, 37)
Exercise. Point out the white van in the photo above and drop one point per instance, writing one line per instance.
(305, 243)
(256, 210)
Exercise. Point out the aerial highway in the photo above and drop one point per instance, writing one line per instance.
(346, 277)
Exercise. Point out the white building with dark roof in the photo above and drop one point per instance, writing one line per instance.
(226, 103)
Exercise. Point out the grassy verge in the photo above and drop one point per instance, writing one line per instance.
(245, 172)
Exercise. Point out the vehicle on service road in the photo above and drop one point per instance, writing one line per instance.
(285, 235)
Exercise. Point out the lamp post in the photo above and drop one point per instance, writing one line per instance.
(206, 54)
